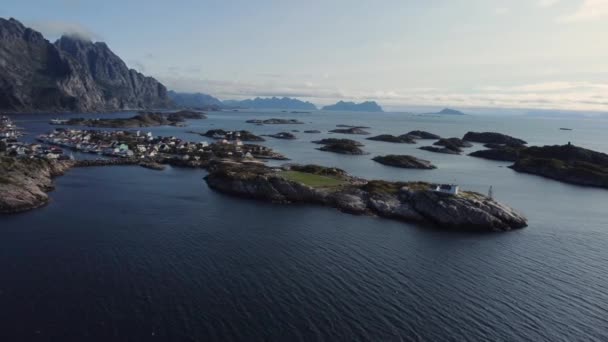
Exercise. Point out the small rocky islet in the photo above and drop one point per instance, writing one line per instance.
(351, 130)
(422, 135)
(402, 139)
(275, 121)
(404, 161)
(409, 202)
(341, 146)
(448, 146)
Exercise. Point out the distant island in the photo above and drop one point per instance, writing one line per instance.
(195, 100)
(368, 106)
(285, 103)
(69, 75)
(447, 111)
(143, 119)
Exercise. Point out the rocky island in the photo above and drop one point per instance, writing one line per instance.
(493, 138)
(447, 111)
(448, 146)
(409, 202)
(352, 130)
(404, 161)
(566, 163)
(422, 135)
(275, 122)
(402, 139)
(342, 146)
(144, 119)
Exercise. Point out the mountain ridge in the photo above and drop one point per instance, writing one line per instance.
(274, 102)
(367, 106)
(70, 75)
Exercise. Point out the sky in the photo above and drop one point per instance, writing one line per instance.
(542, 54)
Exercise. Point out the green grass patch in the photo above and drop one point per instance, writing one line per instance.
(312, 180)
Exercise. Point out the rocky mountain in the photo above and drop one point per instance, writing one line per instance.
(368, 106)
(285, 103)
(195, 100)
(69, 75)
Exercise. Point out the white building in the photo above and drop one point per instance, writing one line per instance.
(451, 189)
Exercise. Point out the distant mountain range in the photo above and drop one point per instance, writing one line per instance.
(69, 75)
(271, 103)
(368, 106)
(195, 100)
(448, 111)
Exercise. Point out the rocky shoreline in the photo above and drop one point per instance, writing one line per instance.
(24, 183)
(409, 202)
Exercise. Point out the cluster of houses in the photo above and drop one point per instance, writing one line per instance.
(8, 130)
(135, 144)
(11, 146)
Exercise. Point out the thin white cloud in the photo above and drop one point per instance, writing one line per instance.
(55, 29)
(589, 10)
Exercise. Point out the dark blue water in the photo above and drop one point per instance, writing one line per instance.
(131, 254)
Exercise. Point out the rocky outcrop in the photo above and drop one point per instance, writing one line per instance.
(342, 146)
(493, 138)
(404, 161)
(275, 122)
(423, 135)
(443, 150)
(24, 183)
(352, 130)
(567, 163)
(70, 75)
(411, 202)
(501, 153)
(453, 143)
(402, 139)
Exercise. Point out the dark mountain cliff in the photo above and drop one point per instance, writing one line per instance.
(70, 75)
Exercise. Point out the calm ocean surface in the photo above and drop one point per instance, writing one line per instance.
(130, 254)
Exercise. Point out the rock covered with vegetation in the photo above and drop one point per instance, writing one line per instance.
(352, 130)
(411, 202)
(404, 161)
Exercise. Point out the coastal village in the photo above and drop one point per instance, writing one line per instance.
(129, 145)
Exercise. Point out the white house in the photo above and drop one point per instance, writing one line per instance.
(451, 189)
